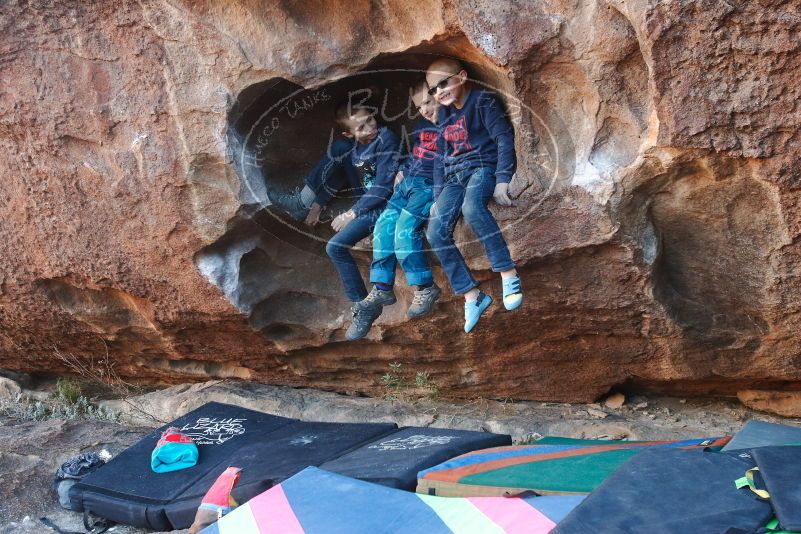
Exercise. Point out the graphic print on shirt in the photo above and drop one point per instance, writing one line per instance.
(367, 171)
(456, 135)
(426, 148)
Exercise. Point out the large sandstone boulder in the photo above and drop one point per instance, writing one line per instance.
(658, 206)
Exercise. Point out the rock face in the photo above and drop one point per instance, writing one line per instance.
(656, 228)
(786, 403)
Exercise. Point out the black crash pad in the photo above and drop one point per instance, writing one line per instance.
(396, 459)
(757, 433)
(780, 468)
(269, 449)
(127, 491)
(285, 452)
(665, 491)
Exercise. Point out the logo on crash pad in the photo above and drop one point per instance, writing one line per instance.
(303, 440)
(412, 442)
(214, 431)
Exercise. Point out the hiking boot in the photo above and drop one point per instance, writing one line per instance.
(423, 301)
(473, 310)
(366, 311)
(289, 202)
(363, 319)
(377, 299)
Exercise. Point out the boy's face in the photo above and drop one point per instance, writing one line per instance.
(447, 87)
(362, 126)
(426, 104)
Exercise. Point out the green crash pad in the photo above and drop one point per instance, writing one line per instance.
(552, 465)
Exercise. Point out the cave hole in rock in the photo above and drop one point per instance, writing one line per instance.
(275, 269)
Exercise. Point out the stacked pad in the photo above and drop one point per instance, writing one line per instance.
(552, 466)
(671, 492)
(762, 434)
(127, 491)
(319, 502)
(278, 456)
(396, 459)
(269, 448)
(780, 468)
(766, 443)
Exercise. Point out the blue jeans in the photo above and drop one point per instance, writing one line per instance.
(467, 193)
(334, 172)
(398, 236)
(338, 249)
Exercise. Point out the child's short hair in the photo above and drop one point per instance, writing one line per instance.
(346, 110)
(450, 63)
(420, 86)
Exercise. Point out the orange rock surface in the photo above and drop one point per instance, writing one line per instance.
(656, 228)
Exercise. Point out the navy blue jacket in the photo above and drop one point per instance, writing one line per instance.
(423, 155)
(377, 164)
(478, 135)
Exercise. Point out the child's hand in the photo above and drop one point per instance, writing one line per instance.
(342, 220)
(501, 194)
(398, 178)
(313, 216)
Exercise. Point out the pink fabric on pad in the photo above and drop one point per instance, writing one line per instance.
(273, 513)
(513, 514)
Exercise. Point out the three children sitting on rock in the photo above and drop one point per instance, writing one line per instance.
(462, 157)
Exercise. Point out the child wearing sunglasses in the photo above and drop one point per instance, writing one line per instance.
(398, 235)
(476, 161)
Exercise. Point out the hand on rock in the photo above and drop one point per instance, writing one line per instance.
(313, 217)
(501, 194)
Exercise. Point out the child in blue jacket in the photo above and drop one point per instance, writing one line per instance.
(476, 161)
(363, 166)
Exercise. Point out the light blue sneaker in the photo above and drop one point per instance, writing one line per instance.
(512, 293)
(473, 310)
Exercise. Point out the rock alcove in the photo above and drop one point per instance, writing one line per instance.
(274, 269)
(656, 227)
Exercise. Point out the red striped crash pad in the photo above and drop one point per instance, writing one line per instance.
(551, 466)
(315, 501)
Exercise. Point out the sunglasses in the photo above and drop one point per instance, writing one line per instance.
(442, 84)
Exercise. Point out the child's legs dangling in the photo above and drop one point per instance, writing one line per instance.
(382, 269)
(447, 210)
(478, 193)
(338, 249)
(409, 244)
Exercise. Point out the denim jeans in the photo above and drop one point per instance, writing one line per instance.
(334, 172)
(467, 193)
(398, 235)
(338, 249)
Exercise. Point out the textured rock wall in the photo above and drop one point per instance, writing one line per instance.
(656, 228)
